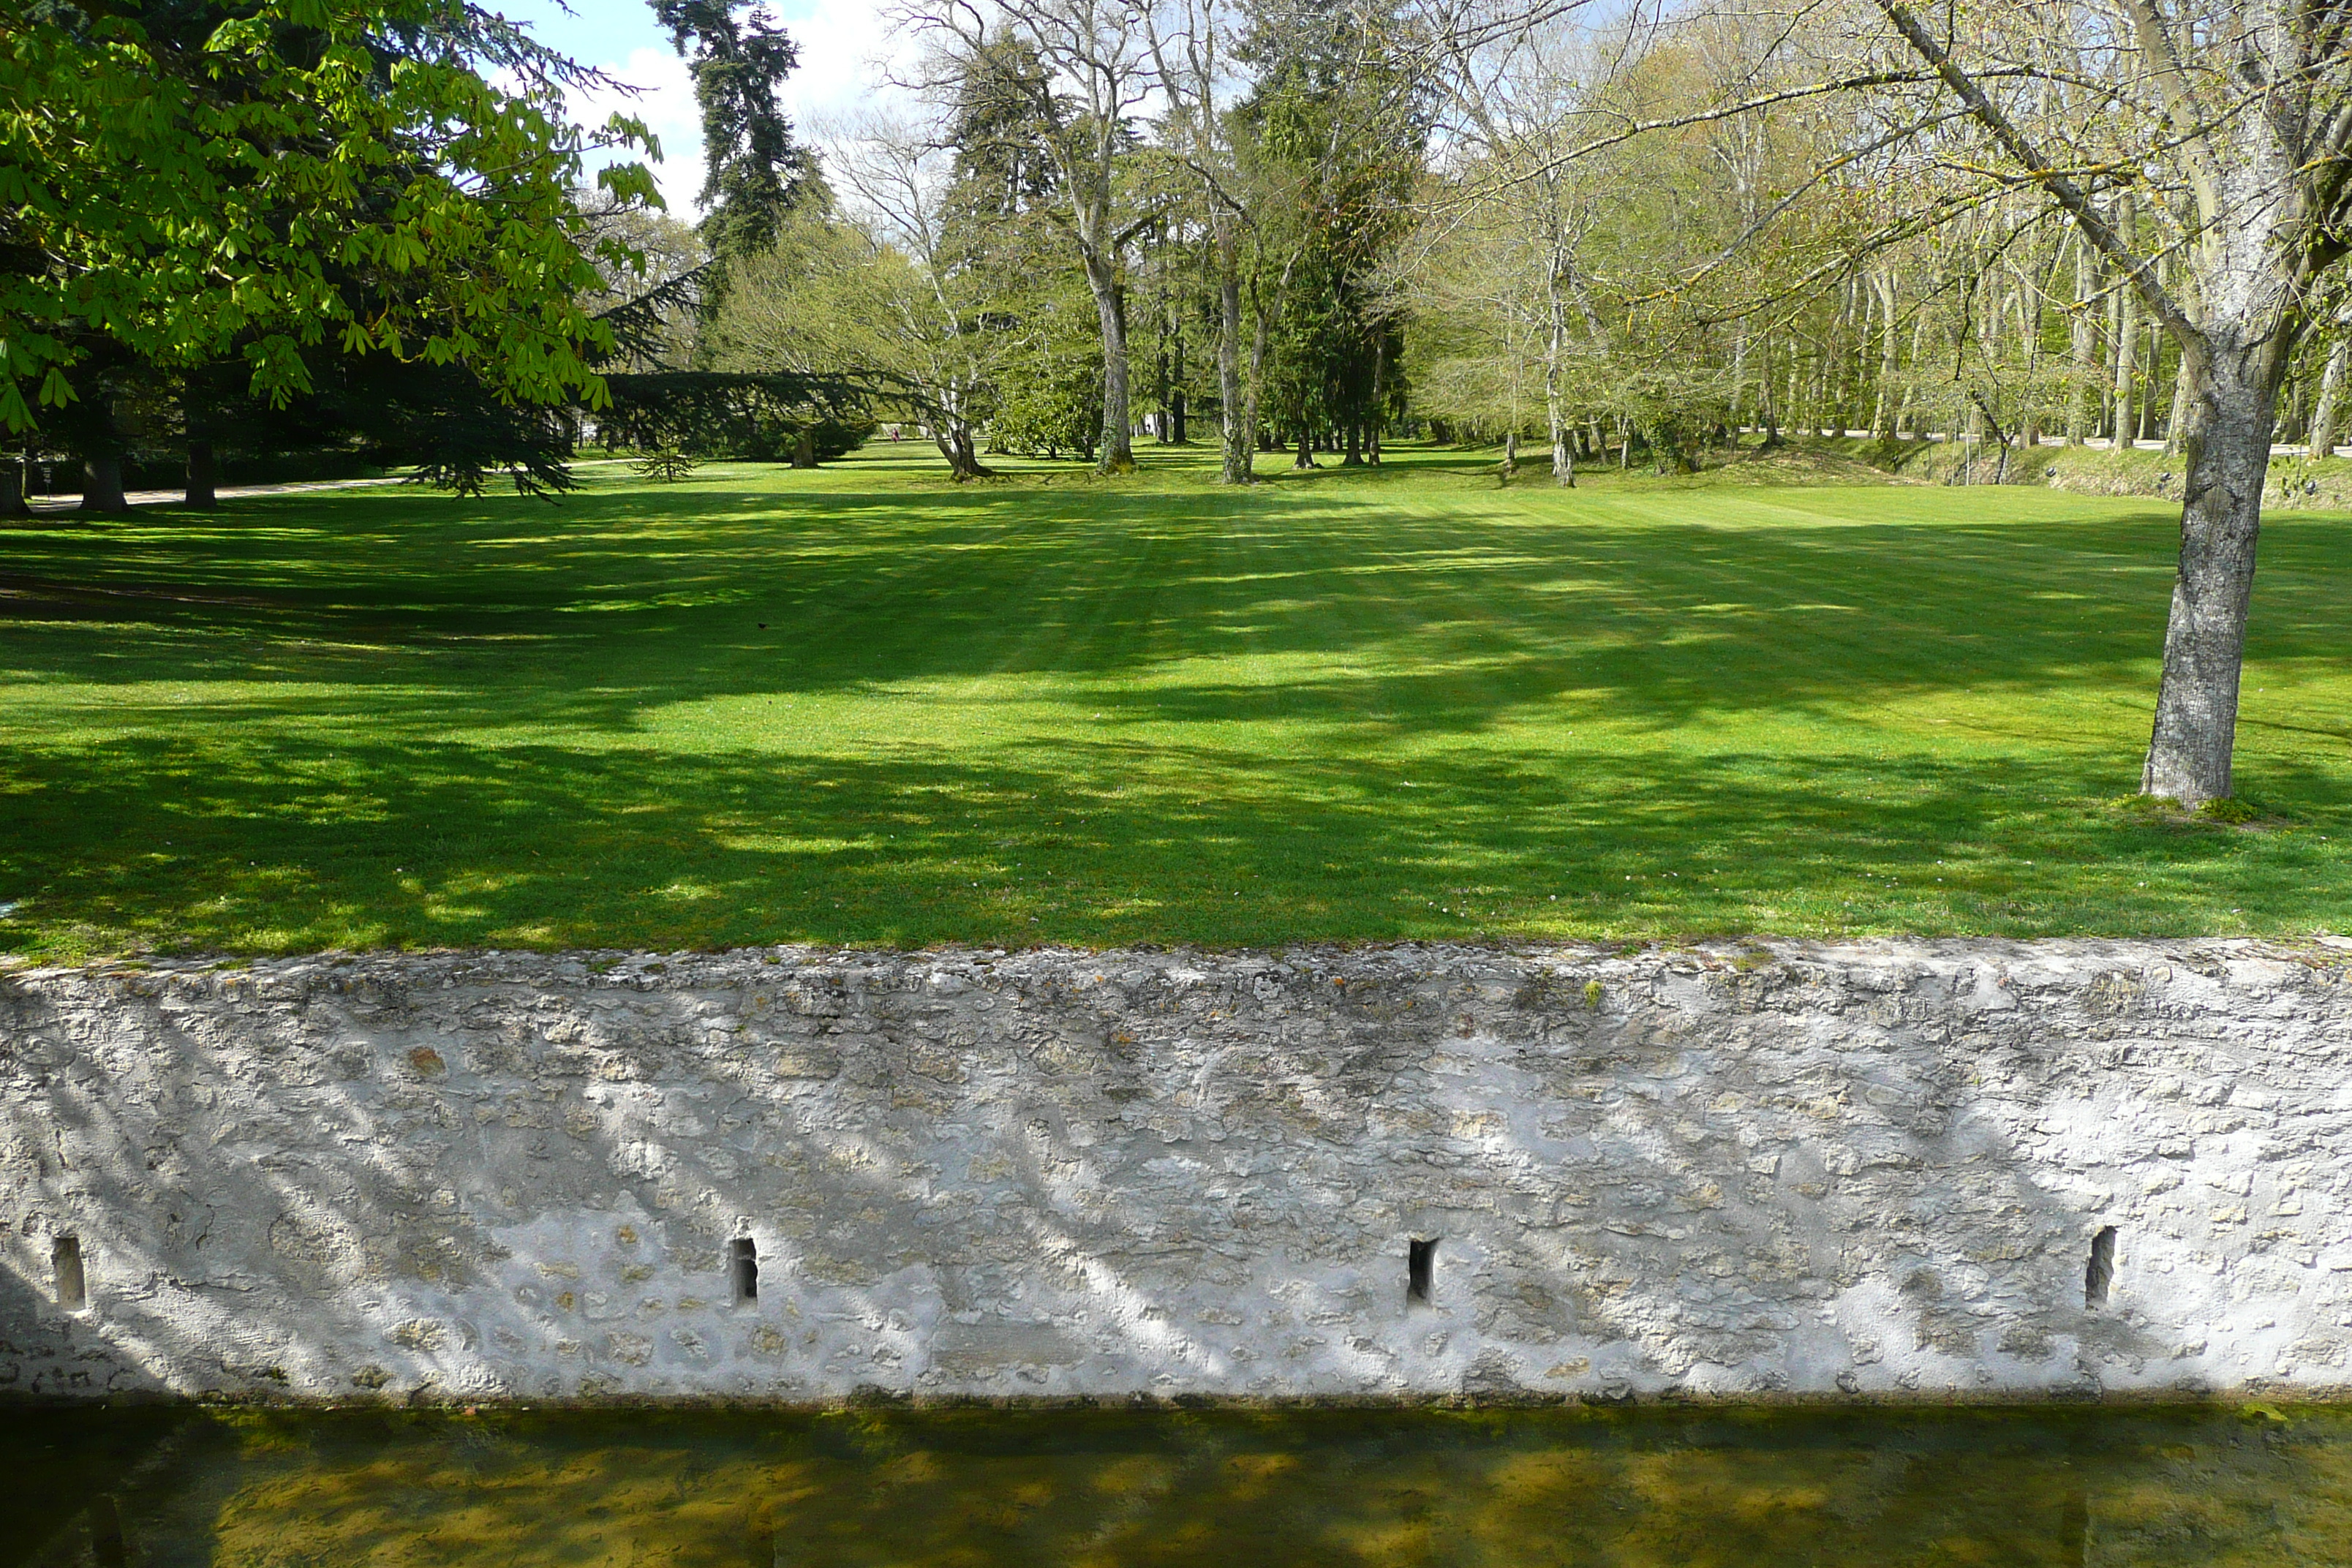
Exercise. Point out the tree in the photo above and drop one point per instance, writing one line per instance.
(2230, 120)
(754, 173)
(830, 300)
(1190, 43)
(2189, 169)
(1075, 70)
(285, 185)
(1503, 264)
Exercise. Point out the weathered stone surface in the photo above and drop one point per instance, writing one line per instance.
(1874, 1168)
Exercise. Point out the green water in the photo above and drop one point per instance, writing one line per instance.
(1625, 1489)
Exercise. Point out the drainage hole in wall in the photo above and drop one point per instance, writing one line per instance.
(65, 1264)
(2101, 1271)
(1420, 1268)
(744, 1268)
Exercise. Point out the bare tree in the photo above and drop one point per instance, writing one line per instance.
(1524, 96)
(1095, 75)
(2228, 123)
(936, 335)
(1190, 52)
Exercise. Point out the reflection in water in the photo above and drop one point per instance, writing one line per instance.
(954, 1488)
(2074, 1531)
(106, 1545)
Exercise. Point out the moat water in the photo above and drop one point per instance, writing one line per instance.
(1626, 1488)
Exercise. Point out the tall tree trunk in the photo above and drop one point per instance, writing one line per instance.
(2085, 343)
(12, 489)
(952, 433)
(2184, 391)
(1380, 414)
(2126, 342)
(1563, 461)
(1889, 364)
(101, 487)
(2228, 444)
(1908, 418)
(2327, 420)
(203, 484)
(1110, 309)
(1241, 432)
(804, 449)
(1739, 381)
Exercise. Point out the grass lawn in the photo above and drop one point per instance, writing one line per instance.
(863, 706)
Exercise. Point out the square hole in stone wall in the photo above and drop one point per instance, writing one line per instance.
(2099, 1274)
(65, 1268)
(1420, 1270)
(743, 1269)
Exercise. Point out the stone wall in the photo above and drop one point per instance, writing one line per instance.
(1868, 1169)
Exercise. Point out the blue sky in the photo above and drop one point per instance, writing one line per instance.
(838, 43)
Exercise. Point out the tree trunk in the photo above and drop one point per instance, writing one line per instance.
(2183, 392)
(12, 490)
(1240, 428)
(952, 433)
(1563, 461)
(1510, 455)
(1117, 440)
(1738, 383)
(2228, 444)
(1355, 453)
(2085, 347)
(1306, 458)
(1890, 341)
(804, 449)
(1908, 416)
(202, 484)
(101, 487)
(2327, 420)
(2126, 344)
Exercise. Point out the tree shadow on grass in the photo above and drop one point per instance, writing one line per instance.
(1662, 619)
(370, 718)
(150, 843)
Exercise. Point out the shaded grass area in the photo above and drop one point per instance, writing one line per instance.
(865, 706)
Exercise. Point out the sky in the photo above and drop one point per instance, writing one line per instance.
(844, 47)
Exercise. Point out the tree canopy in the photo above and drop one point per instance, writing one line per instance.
(188, 182)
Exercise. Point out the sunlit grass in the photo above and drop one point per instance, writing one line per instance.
(868, 706)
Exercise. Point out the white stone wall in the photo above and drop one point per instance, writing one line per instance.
(1866, 1169)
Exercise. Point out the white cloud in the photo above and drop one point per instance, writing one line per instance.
(665, 101)
(846, 52)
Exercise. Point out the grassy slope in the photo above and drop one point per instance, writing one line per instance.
(1405, 704)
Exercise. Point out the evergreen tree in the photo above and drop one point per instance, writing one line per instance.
(755, 173)
(1340, 116)
(1004, 195)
